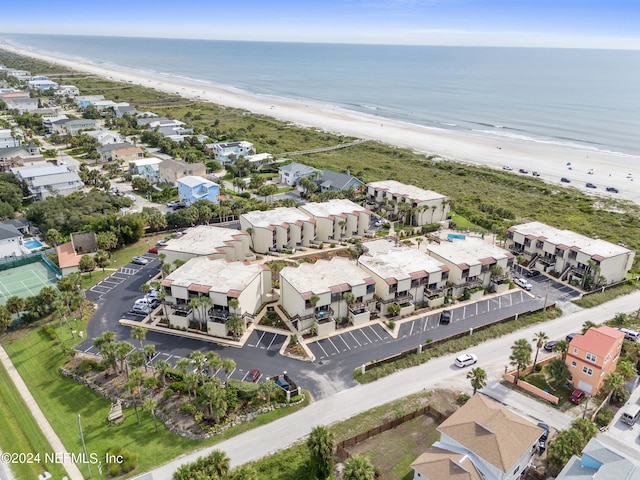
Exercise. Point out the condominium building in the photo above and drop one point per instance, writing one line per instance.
(208, 241)
(424, 206)
(338, 219)
(572, 257)
(278, 229)
(314, 295)
(231, 289)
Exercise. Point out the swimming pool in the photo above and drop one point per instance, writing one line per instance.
(33, 243)
(454, 236)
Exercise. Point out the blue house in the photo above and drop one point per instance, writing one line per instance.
(193, 188)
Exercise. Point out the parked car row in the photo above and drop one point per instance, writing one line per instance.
(146, 304)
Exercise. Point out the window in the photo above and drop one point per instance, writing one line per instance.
(575, 350)
(587, 370)
(591, 357)
(574, 364)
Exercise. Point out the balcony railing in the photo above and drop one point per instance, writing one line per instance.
(404, 298)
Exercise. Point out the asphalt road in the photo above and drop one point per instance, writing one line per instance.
(439, 372)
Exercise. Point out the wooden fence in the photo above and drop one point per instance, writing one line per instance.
(341, 447)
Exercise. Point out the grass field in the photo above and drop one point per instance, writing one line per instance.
(19, 433)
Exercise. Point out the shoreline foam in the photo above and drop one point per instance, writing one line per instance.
(548, 158)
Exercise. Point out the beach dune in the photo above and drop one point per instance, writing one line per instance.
(553, 161)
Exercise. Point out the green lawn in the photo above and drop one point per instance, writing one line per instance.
(38, 359)
(19, 433)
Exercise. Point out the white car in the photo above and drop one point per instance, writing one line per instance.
(141, 309)
(507, 167)
(521, 282)
(465, 360)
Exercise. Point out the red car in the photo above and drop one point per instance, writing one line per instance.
(153, 250)
(253, 376)
(576, 396)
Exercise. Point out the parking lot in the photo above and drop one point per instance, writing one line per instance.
(349, 341)
(116, 279)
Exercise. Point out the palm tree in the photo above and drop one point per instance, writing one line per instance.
(613, 383)
(539, 339)
(183, 365)
(235, 326)
(349, 299)
(105, 344)
(162, 367)
(234, 303)
(559, 371)
(214, 361)
(321, 445)
(216, 400)
(358, 467)
(139, 333)
(478, 379)
(562, 346)
(587, 325)
(191, 381)
(149, 351)
(520, 356)
(5, 318)
(267, 389)
(135, 386)
(149, 405)
(166, 269)
(228, 365)
(199, 360)
(218, 464)
(122, 349)
(15, 305)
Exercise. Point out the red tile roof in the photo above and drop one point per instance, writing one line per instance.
(599, 341)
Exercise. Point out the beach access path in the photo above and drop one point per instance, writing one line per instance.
(550, 159)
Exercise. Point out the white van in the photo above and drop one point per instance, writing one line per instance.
(631, 335)
(630, 415)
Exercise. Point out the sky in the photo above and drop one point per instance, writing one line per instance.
(535, 23)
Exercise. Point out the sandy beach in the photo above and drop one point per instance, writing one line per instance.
(552, 161)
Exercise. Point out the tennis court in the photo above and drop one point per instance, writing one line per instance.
(25, 281)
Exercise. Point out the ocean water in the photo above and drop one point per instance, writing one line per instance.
(580, 97)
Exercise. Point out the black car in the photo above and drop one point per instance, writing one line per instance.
(533, 273)
(445, 317)
(565, 180)
(542, 441)
(569, 337)
(591, 185)
(548, 347)
(613, 189)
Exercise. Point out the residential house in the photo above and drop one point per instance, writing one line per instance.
(330, 181)
(208, 241)
(158, 122)
(148, 168)
(292, 173)
(20, 101)
(83, 101)
(11, 156)
(7, 139)
(227, 152)
(175, 133)
(42, 83)
(106, 137)
(124, 108)
(192, 189)
(70, 253)
(423, 206)
(600, 462)
(235, 289)
(338, 219)
(473, 263)
(592, 356)
(313, 294)
(49, 120)
(278, 229)
(74, 127)
(575, 258)
(482, 440)
(23, 226)
(172, 170)
(123, 152)
(67, 90)
(404, 276)
(259, 159)
(47, 180)
(22, 75)
(10, 241)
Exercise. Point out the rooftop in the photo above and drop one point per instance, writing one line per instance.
(333, 208)
(468, 252)
(590, 246)
(194, 181)
(67, 256)
(219, 275)
(204, 240)
(401, 263)
(411, 191)
(146, 161)
(65, 177)
(598, 340)
(441, 464)
(277, 216)
(600, 462)
(490, 431)
(29, 172)
(8, 231)
(325, 276)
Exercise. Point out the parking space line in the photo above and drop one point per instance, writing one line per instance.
(411, 329)
(117, 278)
(260, 339)
(334, 346)
(374, 331)
(354, 337)
(365, 336)
(325, 352)
(272, 340)
(344, 341)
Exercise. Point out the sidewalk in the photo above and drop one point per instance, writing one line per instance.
(43, 423)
